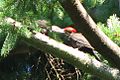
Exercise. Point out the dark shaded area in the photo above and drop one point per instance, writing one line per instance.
(36, 66)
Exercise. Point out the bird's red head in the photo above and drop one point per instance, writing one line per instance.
(70, 29)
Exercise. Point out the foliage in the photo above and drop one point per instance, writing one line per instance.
(8, 43)
(100, 10)
(27, 12)
(93, 3)
(112, 29)
(9, 35)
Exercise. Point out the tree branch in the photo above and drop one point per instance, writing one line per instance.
(73, 56)
(95, 36)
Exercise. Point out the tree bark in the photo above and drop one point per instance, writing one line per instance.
(73, 56)
(89, 29)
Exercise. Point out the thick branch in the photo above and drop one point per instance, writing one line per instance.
(73, 56)
(95, 36)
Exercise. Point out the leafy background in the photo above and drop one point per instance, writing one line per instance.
(41, 66)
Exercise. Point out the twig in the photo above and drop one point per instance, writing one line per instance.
(47, 71)
(77, 73)
(49, 60)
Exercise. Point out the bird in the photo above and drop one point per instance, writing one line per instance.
(71, 38)
(77, 40)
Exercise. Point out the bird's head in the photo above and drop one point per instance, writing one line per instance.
(70, 29)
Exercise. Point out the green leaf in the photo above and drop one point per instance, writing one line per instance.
(8, 44)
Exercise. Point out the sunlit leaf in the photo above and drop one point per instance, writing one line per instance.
(8, 44)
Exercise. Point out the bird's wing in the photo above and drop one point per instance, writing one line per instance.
(80, 39)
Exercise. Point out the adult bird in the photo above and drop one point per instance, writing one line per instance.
(77, 40)
(71, 38)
